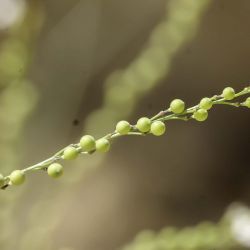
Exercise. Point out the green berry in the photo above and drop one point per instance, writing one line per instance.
(1, 180)
(177, 106)
(206, 103)
(102, 145)
(158, 128)
(70, 153)
(200, 115)
(247, 102)
(123, 127)
(87, 143)
(143, 124)
(17, 177)
(55, 170)
(228, 93)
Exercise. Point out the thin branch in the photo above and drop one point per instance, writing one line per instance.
(164, 115)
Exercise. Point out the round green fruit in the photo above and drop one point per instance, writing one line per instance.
(123, 127)
(200, 115)
(88, 143)
(102, 145)
(55, 170)
(17, 177)
(70, 153)
(228, 93)
(177, 106)
(158, 128)
(143, 124)
(206, 103)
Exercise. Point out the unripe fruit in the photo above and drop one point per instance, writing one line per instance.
(1, 180)
(177, 106)
(102, 145)
(70, 153)
(206, 103)
(87, 143)
(55, 170)
(200, 115)
(123, 127)
(247, 102)
(228, 93)
(17, 177)
(158, 128)
(143, 124)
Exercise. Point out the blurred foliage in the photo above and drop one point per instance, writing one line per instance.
(17, 100)
(204, 236)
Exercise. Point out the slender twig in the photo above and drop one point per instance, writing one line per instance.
(164, 115)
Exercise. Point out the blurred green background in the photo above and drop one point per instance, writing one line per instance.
(69, 67)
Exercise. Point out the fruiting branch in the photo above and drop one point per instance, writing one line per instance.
(144, 126)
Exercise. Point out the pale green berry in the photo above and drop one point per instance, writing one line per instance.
(102, 145)
(123, 127)
(55, 170)
(143, 124)
(206, 103)
(158, 128)
(200, 115)
(228, 93)
(1, 180)
(177, 106)
(247, 102)
(87, 143)
(70, 153)
(17, 177)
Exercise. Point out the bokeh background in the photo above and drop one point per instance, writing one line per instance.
(69, 67)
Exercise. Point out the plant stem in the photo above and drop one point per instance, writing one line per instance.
(161, 116)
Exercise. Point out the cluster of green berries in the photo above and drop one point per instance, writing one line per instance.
(55, 170)
(144, 125)
(229, 94)
(89, 144)
(86, 144)
(177, 106)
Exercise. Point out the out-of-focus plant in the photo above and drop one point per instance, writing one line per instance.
(239, 216)
(204, 236)
(144, 126)
(17, 100)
